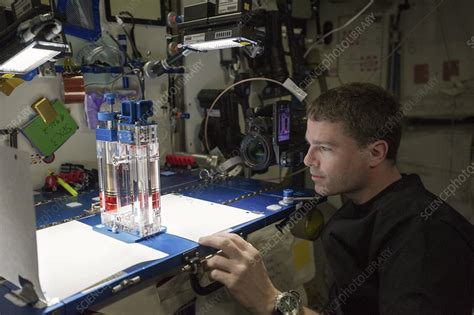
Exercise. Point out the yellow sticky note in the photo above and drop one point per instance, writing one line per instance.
(44, 108)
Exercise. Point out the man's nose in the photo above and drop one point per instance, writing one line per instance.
(306, 159)
(311, 159)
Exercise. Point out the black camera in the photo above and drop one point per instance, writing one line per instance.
(274, 135)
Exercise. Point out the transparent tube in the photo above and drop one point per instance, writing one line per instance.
(130, 182)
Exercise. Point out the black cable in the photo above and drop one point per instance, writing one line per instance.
(297, 59)
(52, 4)
(141, 83)
(401, 7)
(128, 62)
(131, 34)
(127, 56)
(132, 30)
(132, 18)
(135, 51)
(105, 83)
(392, 83)
(316, 6)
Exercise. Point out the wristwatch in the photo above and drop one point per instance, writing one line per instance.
(287, 303)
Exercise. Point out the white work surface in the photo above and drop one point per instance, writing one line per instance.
(73, 257)
(192, 218)
(70, 258)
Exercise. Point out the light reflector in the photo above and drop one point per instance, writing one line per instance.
(32, 56)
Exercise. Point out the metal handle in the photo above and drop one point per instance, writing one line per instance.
(125, 283)
(196, 285)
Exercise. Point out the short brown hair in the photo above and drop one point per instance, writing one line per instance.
(368, 112)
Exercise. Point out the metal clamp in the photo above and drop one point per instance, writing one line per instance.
(196, 285)
(125, 283)
(193, 266)
(288, 199)
(231, 167)
(206, 175)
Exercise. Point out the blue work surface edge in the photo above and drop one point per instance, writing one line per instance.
(247, 194)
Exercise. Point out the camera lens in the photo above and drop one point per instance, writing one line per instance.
(257, 151)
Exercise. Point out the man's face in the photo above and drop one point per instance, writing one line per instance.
(337, 164)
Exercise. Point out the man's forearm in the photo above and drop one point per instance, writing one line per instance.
(307, 311)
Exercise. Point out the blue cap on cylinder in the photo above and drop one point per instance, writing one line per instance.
(106, 116)
(110, 98)
(288, 193)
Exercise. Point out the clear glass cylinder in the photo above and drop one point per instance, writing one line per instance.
(129, 176)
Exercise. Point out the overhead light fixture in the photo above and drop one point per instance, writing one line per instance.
(222, 44)
(20, 59)
(221, 38)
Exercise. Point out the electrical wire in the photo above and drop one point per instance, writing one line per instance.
(130, 34)
(141, 84)
(105, 83)
(127, 56)
(338, 28)
(394, 37)
(130, 15)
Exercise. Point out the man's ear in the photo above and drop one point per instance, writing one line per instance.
(377, 152)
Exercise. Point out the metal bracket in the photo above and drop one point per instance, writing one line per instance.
(26, 294)
(318, 200)
(12, 134)
(47, 70)
(196, 285)
(193, 266)
(193, 261)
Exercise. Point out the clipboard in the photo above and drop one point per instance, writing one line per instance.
(48, 138)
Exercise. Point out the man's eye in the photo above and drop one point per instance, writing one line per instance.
(324, 149)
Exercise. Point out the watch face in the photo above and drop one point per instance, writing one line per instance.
(288, 304)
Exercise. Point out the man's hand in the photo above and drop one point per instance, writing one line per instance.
(240, 268)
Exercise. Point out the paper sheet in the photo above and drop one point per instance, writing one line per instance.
(192, 218)
(17, 219)
(73, 257)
